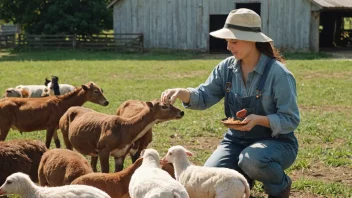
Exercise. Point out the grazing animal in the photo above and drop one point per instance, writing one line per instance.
(60, 167)
(129, 109)
(21, 184)
(206, 182)
(25, 91)
(149, 180)
(116, 184)
(54, 88)
(100, 135)
(31, 114)
(20, 156)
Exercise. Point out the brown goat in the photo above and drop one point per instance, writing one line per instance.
(116, 184)
(99, 135)
(60, 167)
(20, 156)
(31, 114)
(129, 109)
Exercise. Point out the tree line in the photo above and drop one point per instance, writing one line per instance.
(84, 17)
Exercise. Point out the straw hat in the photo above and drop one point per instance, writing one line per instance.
(242, 24)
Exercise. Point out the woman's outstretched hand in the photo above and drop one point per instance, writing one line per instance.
(169, 96)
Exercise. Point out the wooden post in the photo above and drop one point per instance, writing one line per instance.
(74, 41)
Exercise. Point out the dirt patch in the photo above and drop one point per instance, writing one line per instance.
(321, 172)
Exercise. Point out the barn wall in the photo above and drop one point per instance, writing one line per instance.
(184, 24)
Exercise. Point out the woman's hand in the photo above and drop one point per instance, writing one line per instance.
(251, 121)
(169, 96)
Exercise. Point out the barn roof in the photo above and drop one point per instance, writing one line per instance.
(322, 4)
(333, 4)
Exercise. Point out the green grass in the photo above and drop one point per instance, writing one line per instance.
(324, 96)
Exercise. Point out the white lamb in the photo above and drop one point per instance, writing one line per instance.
(21, 184)
(150, 181)
(206, 182)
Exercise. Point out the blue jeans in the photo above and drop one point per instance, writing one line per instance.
(261, 160)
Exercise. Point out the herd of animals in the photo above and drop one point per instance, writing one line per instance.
(31, 169)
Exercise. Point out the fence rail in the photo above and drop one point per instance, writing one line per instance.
(119, 42)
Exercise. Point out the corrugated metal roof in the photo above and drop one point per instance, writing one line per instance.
(333, 3)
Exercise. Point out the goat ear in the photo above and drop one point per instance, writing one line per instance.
(150, 104)
(46, 82)
(85, 87)
(9, 91)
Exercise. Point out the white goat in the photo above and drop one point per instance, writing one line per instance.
(206, 182)
(150, 181)
(64, 88)
(25, 91)
(21, 184)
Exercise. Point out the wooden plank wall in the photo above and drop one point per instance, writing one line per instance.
(184, 24)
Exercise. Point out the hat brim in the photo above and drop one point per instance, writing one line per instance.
(226, 33)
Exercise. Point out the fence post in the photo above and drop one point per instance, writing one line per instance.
(74, 41)
(142, 43)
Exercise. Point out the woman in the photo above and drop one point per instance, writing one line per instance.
(255, 82)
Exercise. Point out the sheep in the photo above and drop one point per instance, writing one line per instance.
(206, 182)
(60, 167)
(149, 180)
(20, 183)
(20, 156)
(54, 88)
(116, 184)
(101, 135)
(25, 91)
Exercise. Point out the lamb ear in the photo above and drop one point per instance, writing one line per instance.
(188, 153)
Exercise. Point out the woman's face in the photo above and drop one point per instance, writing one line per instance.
(240, 49)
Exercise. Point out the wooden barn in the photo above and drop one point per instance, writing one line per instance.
(294, 25)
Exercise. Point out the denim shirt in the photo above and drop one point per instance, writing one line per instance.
(279, 97)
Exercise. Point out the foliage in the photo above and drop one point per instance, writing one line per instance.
(58, 16)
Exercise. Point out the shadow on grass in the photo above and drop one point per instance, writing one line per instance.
(60, 55)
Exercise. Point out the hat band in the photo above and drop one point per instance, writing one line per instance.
(242, 28)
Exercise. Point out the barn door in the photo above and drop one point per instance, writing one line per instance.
(252, 6)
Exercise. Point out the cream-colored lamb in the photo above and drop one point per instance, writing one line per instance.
(206, 182)
(21, 184)
(150, 181)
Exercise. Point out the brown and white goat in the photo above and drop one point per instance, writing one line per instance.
(101, 135)
(129, 109)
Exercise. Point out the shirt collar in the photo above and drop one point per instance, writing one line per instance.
(259, 68)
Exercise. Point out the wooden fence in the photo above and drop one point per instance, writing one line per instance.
(118, 42)
(7, 40)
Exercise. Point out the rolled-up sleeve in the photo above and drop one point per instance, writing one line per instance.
(210, 92)
(287, 117)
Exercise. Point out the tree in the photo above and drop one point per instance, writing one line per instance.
(58, 16)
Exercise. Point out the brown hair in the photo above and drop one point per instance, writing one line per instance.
(268, 49)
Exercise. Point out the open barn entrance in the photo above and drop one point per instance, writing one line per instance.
(335, 29)
(217, 45)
